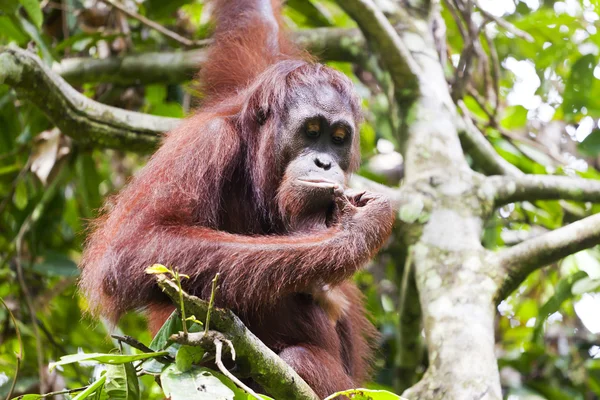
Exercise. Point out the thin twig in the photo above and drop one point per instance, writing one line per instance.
(512, 137)
(506, 25)
(495, 69)
(225, 371)
(211, 303)
(65, 24)
(133, 343)
(19, 354)
(59, 392)
(157, 27)
(532, 143)
(29, 303)
(25, 226)
(483, 60)
(405, 278)
(459, 24)
(183, 317)
(471, 48)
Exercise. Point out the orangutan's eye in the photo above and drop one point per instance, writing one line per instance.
(313, 128)
(339, 135)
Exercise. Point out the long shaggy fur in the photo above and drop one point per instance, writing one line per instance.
(207, 202)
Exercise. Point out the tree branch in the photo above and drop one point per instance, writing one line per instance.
(482, 151)
(543, 187)
(85, 120)
(506, 25)
(151, 24)
(141, 68)
(331, 44)
(397, 58)
(90, 122)
(521, 260)
(253, 356)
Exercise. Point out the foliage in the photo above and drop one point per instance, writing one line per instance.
(546, 121)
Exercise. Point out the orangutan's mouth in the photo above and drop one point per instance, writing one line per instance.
(318, 183)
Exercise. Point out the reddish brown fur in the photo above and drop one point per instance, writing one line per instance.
(210, 200)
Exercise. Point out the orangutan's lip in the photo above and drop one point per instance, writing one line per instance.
(320, 183)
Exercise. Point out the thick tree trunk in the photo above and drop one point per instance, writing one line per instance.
(456, 284)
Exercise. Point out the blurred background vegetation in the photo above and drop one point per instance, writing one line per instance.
(534, 91)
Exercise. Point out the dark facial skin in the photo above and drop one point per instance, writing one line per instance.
(315, 146)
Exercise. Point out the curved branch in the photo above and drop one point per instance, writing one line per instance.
(254, 357)
(477, 146)
(521, 260)
(543, 187)
(330, 44)
(378, 30)
(83, 119)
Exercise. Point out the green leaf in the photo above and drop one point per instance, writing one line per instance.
(366, 394)
(313, 12)
(514, 117)
(585, 285)
(9, 30)
(20, 196)
(590, 146)
(34, 11)
(160, 9)
(122, 382)
(105, 358)
(10, 170)
(577, 89)
(562, 293)
(161, 341)
(35, 35)
(187, 356)
(91, 389)
(157, 269)
(56, 264)
(89, 183)
(195, 384)
(172, 325)
(593, 368)
(9, 6)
